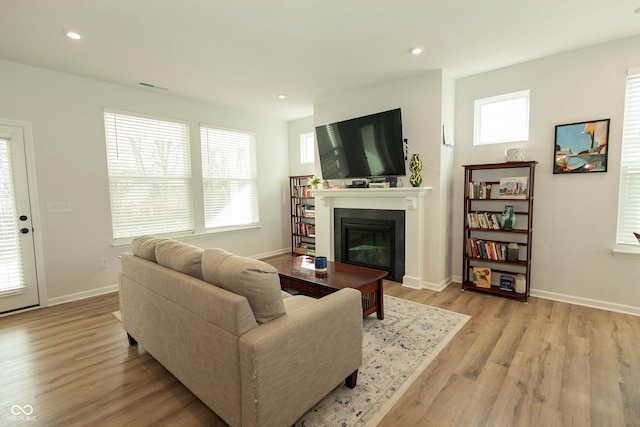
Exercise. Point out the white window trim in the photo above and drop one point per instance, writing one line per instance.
(630, 127)
(480, 107)
(307, 154)
(197, 196)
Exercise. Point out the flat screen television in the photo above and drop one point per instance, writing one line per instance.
(369, 146)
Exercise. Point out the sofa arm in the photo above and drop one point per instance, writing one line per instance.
(290, 363)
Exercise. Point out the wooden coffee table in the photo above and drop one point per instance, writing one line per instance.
(299, 275)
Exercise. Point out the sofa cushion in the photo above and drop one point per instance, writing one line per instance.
(297, 301)
(180, 257)
(254, 279)
(145, 247)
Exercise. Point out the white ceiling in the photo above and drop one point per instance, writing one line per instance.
(242, 53)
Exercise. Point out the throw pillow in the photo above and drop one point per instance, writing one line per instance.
(254, 279)
(180, 257)
(145, 247)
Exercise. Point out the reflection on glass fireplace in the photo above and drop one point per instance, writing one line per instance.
(371, 238)
(370, 246)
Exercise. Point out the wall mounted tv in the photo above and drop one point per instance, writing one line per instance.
(369, 146)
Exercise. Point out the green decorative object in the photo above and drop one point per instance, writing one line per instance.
(415, 166)
(508, 218)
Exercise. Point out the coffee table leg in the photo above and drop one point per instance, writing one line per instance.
(380, 300)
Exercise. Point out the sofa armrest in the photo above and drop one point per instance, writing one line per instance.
(290, 363)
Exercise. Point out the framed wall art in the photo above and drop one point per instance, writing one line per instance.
(581, 147)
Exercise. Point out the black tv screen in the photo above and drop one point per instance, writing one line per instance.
(369, 146)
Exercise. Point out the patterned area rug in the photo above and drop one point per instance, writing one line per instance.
(395, 351)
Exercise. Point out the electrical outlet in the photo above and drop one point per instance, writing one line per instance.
(104, 262)
(58, 207)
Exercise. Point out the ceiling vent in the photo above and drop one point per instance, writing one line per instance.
(151, 86)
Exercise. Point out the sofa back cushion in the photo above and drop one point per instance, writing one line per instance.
(254, 279)
(180, 257)
(145, 247)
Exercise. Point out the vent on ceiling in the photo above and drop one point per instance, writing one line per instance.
(152, 86)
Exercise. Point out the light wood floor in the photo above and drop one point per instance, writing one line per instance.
(538, 364)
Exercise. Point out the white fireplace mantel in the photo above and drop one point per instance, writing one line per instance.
(411, 200)
(411, 195)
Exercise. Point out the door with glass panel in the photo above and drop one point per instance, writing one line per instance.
(18, 279)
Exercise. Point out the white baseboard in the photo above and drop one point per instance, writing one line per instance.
(437, 286)
(411, 282)
(271, 253)
(587, 302)
(82, 295)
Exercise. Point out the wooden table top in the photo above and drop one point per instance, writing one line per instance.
(337, 276)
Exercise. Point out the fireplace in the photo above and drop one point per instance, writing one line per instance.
(371, 238)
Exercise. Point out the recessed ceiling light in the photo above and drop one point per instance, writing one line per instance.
(417, 50)
(282, 96)
(72, 34)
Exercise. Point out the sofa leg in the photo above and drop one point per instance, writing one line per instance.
(352, 379)
(132, 341)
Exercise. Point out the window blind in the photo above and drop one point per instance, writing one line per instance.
(229, 174)
(503, 118)
(149, 175)
(629, 202)
(11, 270)
(307, 146)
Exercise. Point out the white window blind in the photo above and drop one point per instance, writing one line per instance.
(149, 175)
(629, 205)
(11, 271)
(229, 176)
(503, 118)
(307, 145)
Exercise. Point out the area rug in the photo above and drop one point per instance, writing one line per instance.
(395, 351)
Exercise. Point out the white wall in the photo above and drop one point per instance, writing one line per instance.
(421, 101)
(574, 215)
(68, 135)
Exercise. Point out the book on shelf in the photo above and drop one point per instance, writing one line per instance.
(507, 282)
(486, 249)
(513, 187)
(301, 191)
(309, 211)
(482, 277)
(483, 220)
(306, 230)
(479, 190)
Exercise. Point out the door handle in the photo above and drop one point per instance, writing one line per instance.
(24, 230)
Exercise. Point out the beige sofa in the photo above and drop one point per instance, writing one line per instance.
(220, 323)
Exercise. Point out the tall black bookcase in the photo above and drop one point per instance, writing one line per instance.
(303, 216)
(488, 192)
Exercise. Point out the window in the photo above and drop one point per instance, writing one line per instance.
(149, 175)
(11, 264)
(503, 118)
(229, 175)
(629, 202)
(307, 153)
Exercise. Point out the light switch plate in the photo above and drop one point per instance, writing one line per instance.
(58, 207)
